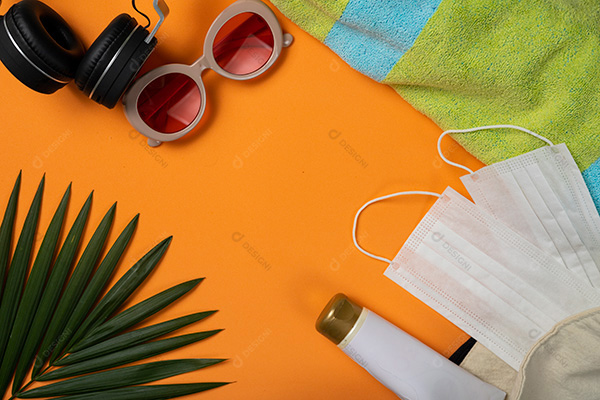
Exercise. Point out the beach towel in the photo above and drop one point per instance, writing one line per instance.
(467, 63)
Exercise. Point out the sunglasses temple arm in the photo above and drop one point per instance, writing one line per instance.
(162, 10)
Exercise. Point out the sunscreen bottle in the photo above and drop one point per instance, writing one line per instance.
(403, 364)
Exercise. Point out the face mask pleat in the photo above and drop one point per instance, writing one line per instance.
(519, 256)
(490, 184)
(558, 213)
(545, 230)
(568, 184)
(542, 196)
(497, 279)
(434, 287)
(529, 257)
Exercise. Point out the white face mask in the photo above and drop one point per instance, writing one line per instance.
(542, 196)
(485, 278)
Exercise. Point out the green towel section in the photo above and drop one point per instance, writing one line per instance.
(532, 63)
(467, 63)
(315, 17)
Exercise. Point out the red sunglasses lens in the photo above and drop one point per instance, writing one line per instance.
(170, 103)
(244, 44)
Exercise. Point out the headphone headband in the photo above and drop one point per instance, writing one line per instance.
(163, 11)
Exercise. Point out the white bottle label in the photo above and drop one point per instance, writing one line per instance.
(410, 369)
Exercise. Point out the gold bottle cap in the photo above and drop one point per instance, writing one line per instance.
(338, 318)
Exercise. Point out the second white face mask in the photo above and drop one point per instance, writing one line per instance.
(543, 197)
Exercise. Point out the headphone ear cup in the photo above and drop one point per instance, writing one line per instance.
(99, 54)
(109, 93)
(38, 46)
(113, 60)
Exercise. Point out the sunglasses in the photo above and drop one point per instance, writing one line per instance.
(168, 102)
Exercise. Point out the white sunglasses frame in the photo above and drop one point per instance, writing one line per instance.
(195, 70)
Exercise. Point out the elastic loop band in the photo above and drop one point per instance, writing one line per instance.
(480, 128)
(367, 204)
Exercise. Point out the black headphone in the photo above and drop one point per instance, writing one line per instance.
(42, 51)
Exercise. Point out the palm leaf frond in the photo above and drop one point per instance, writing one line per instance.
(18, 269)
(45, 311)
(32, 293)
(98, 281)
(121, 377)
(151, 392)
(54, 340)
(6, 231)
(52, 292)
(136, 314)
(132, 338)
(121, 291)
(126, 356)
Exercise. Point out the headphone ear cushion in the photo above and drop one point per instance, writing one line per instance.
(125, 69)
(102, 51)
(46, 46)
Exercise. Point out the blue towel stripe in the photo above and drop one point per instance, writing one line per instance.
(398, 23)
(592, 179)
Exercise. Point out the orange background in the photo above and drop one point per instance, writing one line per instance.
(268, 163)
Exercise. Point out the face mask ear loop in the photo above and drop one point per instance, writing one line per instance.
(481, 128)
(367, 204)
(443, 157)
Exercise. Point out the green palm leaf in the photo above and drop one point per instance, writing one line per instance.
(136, 314)
(156, 392)
(121, 377)
(126, 356)
(121, 291)
(132, 338)
(46, 312)
(33, 293)
(99, 281)
(6, 231)
(51, 294)
(53, 340)
(18, 269)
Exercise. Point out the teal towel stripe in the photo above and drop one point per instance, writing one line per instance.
(371, 36)
(592, 179)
